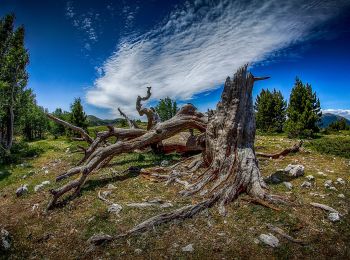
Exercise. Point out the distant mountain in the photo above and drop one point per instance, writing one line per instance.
(328, 118)
(95, 121)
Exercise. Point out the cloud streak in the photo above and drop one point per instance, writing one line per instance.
(340, 112)
(198, 45)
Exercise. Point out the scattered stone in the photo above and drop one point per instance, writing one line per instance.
(333, 188)
(164, 163)
(115, 208)
(41, 185)
(306, 184)
(46, 171)
(106, 193)
(294, 170)
(334, 217)
(269, 239)
(340, 181)
(310, 178)
(188, 248)
(322, 174)
(288, 185)
(22, 190)
(328, 183)
(5, 240)
(35, 206)
(111, 187)
(341, 195)
(138, 251)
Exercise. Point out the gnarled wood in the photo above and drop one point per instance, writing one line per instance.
(294, 149)
(131, 123)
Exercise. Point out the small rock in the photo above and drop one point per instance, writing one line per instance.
(35, 206)
(269, 239)
(328, 183)
(41, 185)
(310, 178)
(164, 163)
(46, 171)
(188, 248)
(340, 181)
(294, 170)
(306, 184)
(22, 190)
(288, 185)
(111, 187)
(5, 240)
(138, 251)
(322, 174)
(333, 188)
(106, 193)
(115, 208)
(341, 195)
(333, 217)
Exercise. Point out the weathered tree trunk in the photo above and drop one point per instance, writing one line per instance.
(230, 136)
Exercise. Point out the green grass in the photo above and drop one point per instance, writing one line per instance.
(338, 145)
(69, 227)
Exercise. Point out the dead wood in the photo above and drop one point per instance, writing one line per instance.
(131, 123)
(294, 149)
(77, 129)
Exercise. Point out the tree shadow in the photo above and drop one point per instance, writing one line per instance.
(278, 177)
(92, 184)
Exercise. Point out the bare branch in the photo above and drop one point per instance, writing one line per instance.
(145, 111)
(131, 123)
(77, 129)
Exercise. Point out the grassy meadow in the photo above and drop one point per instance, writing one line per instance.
(63, 232)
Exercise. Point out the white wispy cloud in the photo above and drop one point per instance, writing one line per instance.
(341, 112)
(200, 44)
(85, 23)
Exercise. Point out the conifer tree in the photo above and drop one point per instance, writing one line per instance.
(77, 115)
(303, 112)
(270, 108)
(166, 108)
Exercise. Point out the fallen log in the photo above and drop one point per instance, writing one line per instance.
(294, 149)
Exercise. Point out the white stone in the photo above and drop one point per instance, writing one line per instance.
(294, 170)
(340, 181)
(288, 185)
(334, 216)
(188, 248)
(111, 187)
(5, 240)
(41, 185)
(310, 178)
(164, 163)
(322, 174)
(333, 188)
(306, 184)
(22, 190)
(341, 195)
(114, 208)
(269, 239)
(328, 183)
(46, 171)
(138, 251)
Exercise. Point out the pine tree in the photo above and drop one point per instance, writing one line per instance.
(303, 112)
(77, 114)
(166, 108)
(270, 110)
(13, 77)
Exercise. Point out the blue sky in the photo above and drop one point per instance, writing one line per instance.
(107, 52)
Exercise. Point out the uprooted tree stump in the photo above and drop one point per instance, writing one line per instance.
(226, 141)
